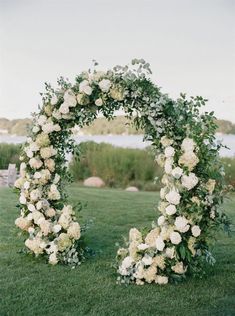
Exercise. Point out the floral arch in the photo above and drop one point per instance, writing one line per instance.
(184, 143)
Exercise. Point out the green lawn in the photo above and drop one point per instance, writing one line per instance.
(30, 287)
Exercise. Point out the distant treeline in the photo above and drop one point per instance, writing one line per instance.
(120, 125)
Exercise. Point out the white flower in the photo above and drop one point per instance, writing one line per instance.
(53, 259)
(188, 144)
(50, 127)
(189, 159)
(35, 129)
(54, 100)
(210, 185)
(22, 199)
(163, 192)
(127, 262)
(26, 185)
(31, 207)
(177, 172)
(47, 152)
(165, 141)
(175, 238)
(64, 108)
(160, 243)
(161, 220)
(70, 98)
(56, 228)
(35, 163)
(169, 151)
(161, 279)
(196, 231)
(147, 260)
(41, 120)
(142, 246)
(99, 102)
(171, 209)
(35, 195)
(179, 268)
(53, 194)
(105, 85)
(181, 224)
(212, 214)
(168, 165)
(170, 253)
(85, 88)
(64, 220)
(189, 181)
(173, 197)
(74, 230)
(135, 235)
(23, 223)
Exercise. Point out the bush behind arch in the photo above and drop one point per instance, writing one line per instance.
(184, 142)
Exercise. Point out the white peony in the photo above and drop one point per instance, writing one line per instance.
(190, 181)
(41, 120)
(177, 172)
(171, 209)
(169, 152)
(168, 165)
(160, 243)
(53, 194)
(170, 252)
(47, 152)
(173, 197)
(53, 259)
(64, 108)
(189, 159)
(181, 224)
(196, 231)
(188, 144)
(105, 85)
(35, 195)
(179, 268)
(175, 238)
(70, 98)
(85, 88)
(31, 207)
(74, 230)
(127, 262)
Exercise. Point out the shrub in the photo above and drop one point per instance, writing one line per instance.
(9, 153)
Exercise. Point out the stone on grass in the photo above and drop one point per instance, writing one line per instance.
(132, 189)
(94, 182)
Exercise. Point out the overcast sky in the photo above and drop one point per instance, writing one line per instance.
(189, 44)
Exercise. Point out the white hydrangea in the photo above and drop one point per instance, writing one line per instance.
(160, 245)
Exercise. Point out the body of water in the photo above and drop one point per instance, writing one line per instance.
(127, 141)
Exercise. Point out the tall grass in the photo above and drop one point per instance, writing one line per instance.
(9, 153)
(118, 167)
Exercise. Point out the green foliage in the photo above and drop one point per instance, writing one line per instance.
(9, 153)
(118, 167)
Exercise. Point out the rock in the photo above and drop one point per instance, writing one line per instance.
(94, 182)
(132, 189)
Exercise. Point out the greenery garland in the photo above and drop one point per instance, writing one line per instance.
(185, 147)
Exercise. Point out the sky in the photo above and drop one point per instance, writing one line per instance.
(190, 45)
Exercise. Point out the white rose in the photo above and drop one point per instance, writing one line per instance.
(196, 231)
(168, 165)
(54, 100)
(85, 88)
(165, 141)
(56, 228)
(36, 129)
(35, 163)
(127, 262)
(142, 246)
(188, 144)
(160, 243)
(171, 209)
(53, 194)
(170, 253)
(53, 259)
(105, 85)
(175, 238)
(161, 220)
(41, 120)
(169, 151)
(181, 224)
(177, 172)
(189, 181)
(31, 207)
(189, 159)
(147, 260)
(22, 199)
(64, 108)
(70, 98)
(173, 197)
(35, 195)
(99, 102)
(161, 279)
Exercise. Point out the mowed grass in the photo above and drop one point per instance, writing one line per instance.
(29, 286)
